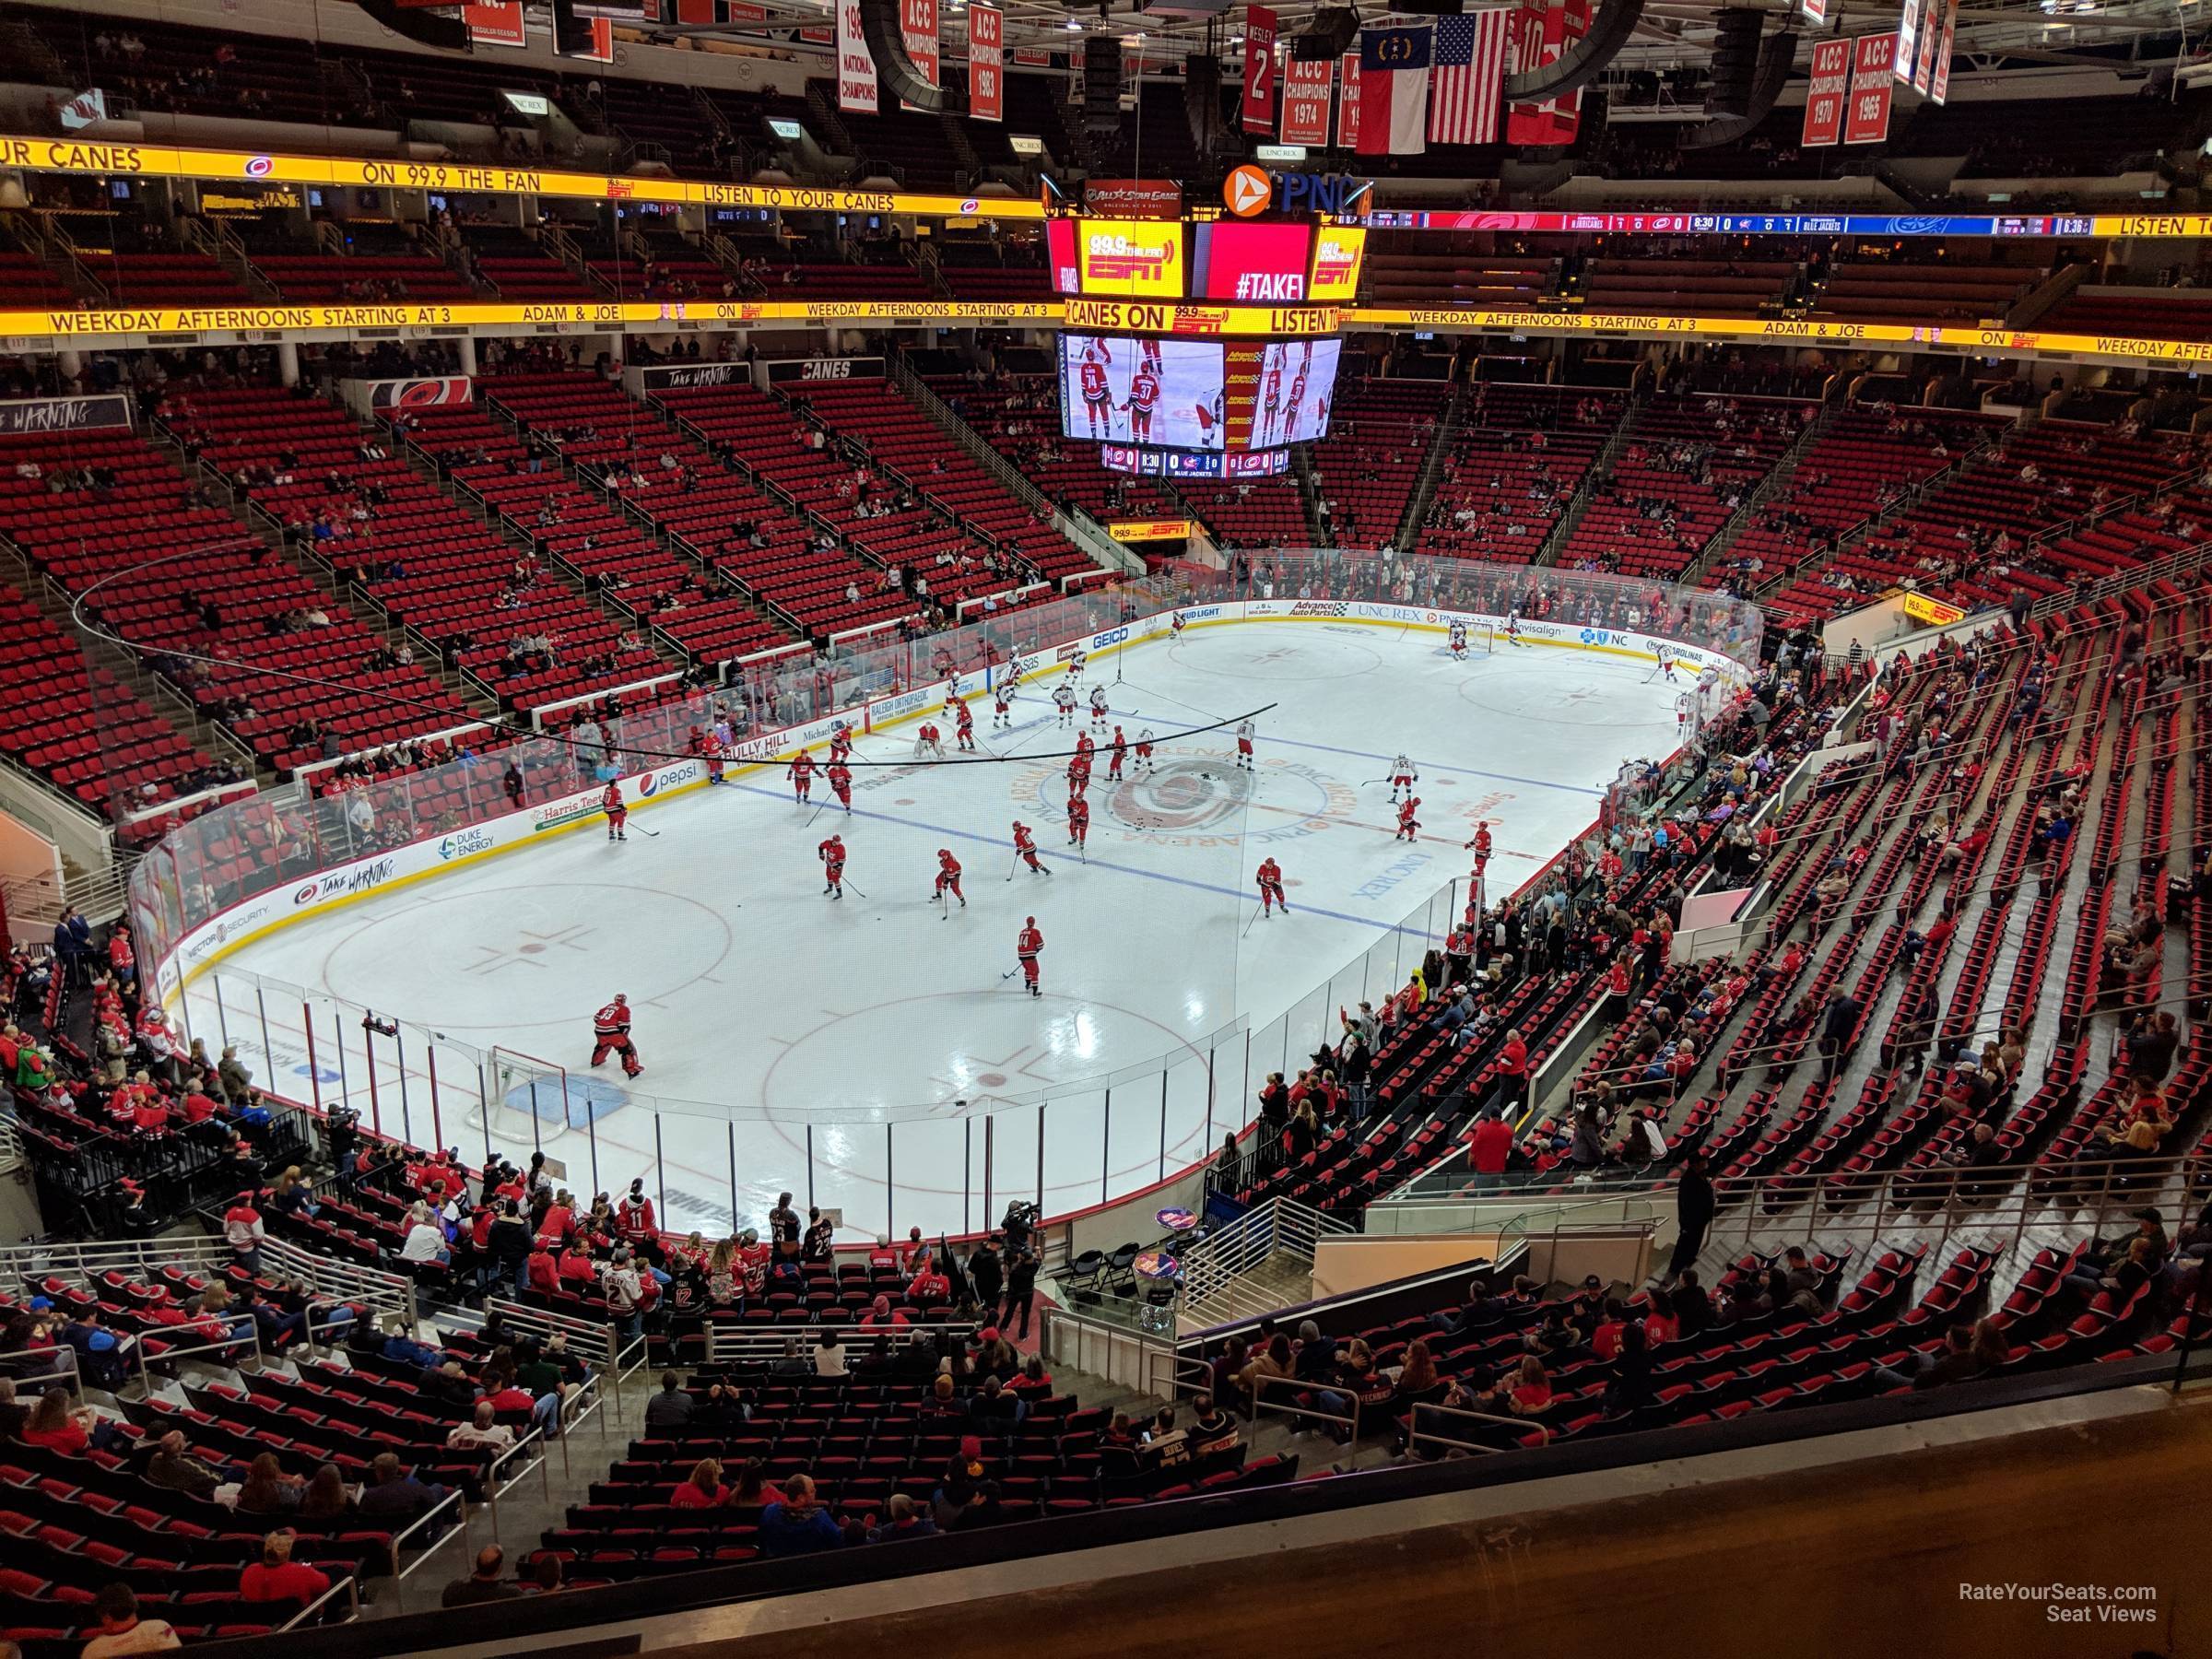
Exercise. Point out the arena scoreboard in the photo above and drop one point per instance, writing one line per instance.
(1200, 348)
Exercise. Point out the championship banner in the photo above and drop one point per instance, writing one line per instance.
(1816, 11)
(1347, 102)
(1306, 101)
(495, 23)
(1872, 89)
(699, 11)
(918, 30)
(1939, 82)
(1923, 57)
(23, 416)
(855, 63)
(1829, 92)
(1259, 69)
(986, 63)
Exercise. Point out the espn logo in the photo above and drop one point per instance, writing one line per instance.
(1123, 267)
(1278, 288)
(1200, 320)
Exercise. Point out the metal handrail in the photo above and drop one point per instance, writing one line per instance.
(349, 1586)
(71, 1372)
(454, 1500)
(728, 1342)
(1415, 1437)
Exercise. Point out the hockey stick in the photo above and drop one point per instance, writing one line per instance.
(1010, 973)
(655, 834)
(818, 813)
(848, 884)
(1250, 920)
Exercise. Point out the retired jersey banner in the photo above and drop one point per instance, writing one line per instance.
(1939, 82)
(918, 32)
(855, 63)
(1908, 41)
(1872, 89)
(986, 63)
(1829, 92)
(1259, 69)
(1347, 102)
(1545, 33)
(1306, 101)
(1931, 41)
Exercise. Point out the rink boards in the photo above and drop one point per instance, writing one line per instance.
(322, 891)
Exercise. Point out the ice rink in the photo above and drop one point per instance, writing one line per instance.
(870, 1054)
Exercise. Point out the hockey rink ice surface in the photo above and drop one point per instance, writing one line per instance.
(793, 1041)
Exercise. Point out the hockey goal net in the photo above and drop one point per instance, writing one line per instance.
(529, 1103)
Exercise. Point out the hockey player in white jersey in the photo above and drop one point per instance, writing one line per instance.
(1063, 699)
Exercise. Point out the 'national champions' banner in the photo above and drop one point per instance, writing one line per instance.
(986, 63)
(855, 63)
(1259, 69)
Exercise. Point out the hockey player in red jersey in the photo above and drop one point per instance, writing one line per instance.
(964, 723)
(840, 742)
(1027, 944)
(1270, 878)
(1407, 823)
(841, 783)
(1481, 846)
(949, 877)
(1097, 397)
(1024, 848)
(707, 749)
(1079, 774)
(1078, 821)
(1117, 751)
(1144, 397)
(610, 1035)
(801, 773)
(833, 855)
(610, 803)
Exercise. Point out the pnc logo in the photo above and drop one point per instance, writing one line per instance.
(1247, 190)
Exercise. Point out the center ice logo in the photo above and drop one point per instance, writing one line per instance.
(1182, 797)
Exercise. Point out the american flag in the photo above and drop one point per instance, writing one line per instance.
(1470, 69)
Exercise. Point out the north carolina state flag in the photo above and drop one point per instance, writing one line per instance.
(1394, 91)
(1259, 69)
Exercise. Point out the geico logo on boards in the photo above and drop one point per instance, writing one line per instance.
(1320, 608)
(462, 842)
(1113, 636)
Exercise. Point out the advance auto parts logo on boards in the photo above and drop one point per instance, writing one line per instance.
(1247, 190)
(340, 883)
(465, 841)
(1320, 608)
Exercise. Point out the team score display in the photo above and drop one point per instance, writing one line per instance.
(1141, 390)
